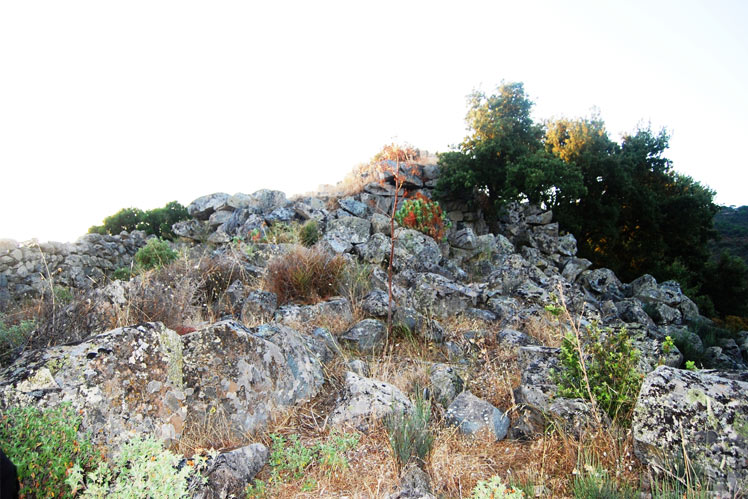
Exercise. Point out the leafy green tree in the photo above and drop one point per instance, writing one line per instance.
(155, 222)
(504, 159)
(726, 283)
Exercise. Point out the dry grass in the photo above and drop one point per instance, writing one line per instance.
(305, 275)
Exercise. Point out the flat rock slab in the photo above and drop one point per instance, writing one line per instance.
(703, 414)
(473, 415)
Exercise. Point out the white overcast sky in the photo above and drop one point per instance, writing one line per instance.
(105, 104)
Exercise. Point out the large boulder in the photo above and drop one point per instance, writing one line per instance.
(248, 374)
(204, 206)
(126, 381)
(702, 415)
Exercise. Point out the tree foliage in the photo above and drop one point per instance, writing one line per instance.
(628, 208)
(504, 159)
(155, 222)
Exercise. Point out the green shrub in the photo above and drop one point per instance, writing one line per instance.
(155, 254)
(424, 215)
(143, 469)
(44, 445)
(355, 281)
(290, 459)
(611, 362)
(156, 222)
(409, 434)
(495, 489)
(13, 336)
(309, 233)
(122, 274)
(304, 274)
(594, 482)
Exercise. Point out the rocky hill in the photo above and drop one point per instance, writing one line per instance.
(211, 351)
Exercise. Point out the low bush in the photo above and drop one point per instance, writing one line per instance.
(495, 489)
(143, 469)
(593, 482)
(155, 254)
(304, 274)
(409, 434)
(309, 233)
(610, 361)
(290, 459)
(155, 222)
(44, 445)
(424, 215)
(13, 337)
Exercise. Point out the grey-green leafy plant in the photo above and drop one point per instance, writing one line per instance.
(143, 469)
(409, 434)
(494, 488)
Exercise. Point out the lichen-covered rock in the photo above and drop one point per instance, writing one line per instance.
(204, 206)
(344, 232)
(248, 374)
(473, 415)
(265, 201)
(367, 399)
(574, 267)
(259, 305)
(354, 207)
(414, 484)
(603, 282)
(511, 338)
(126, 380)
(366, 336)
(446, 384)
(414, 249)
(704, 415)
(375, 250)
(416, 323)
(230, 472)
(572, 416)
(536, 387)
(334, 309)
(437, 295)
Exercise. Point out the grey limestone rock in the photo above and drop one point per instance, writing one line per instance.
(445, 383)
(702, 414)
(413, 248)
(536, 386)
(574, 267)
(473, 415)
(259, 305)
(333, 309)
(366, 336)
(354, 207)
(511, 338)
(375, 250)
(204, 206)
(230, 472)
(367, 399)
(343, 233)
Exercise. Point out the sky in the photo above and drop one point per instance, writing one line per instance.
(106, 105)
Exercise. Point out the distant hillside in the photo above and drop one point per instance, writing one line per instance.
(732, 225)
